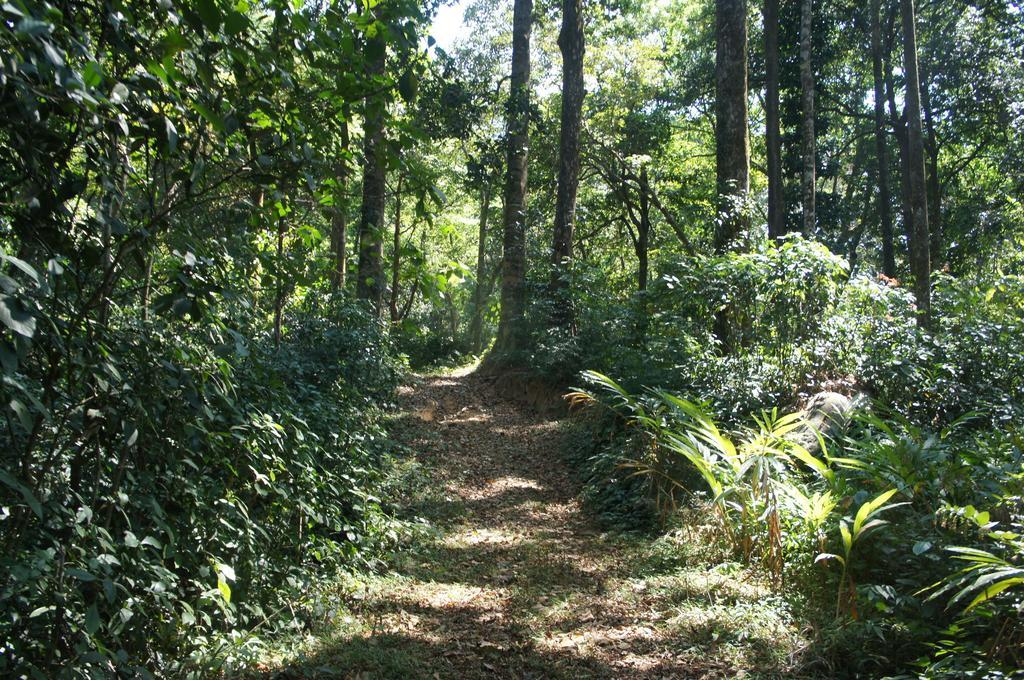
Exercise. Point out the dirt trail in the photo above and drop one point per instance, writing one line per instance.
(518, 581)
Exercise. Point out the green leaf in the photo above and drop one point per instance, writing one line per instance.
(844, 531)
(172, 135)
(824, 557)
(994, 590)
(25, 492)
(227, 571)
(869, 508)
(224, 588)
(92, 74)
(408, 84)
(151, 542)
(52, 54)
(210, 14)
(235, 23)
(119, 93)
(25, 267)
(81, 575)
(92, 620)
(24, 417)
(816, 464)
(14, 315)
(211, 117)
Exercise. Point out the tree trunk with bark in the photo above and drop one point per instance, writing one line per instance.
(931, 150)
(396, 255)
(476, 326)
(807, 176)
(920, 243)
(339, 215)
(643, 239)
(511, 325)
(370, 285)
(279, 289)
(773, 131)
(899, 128)
(570, 42)
(732, 141)
(881, 147)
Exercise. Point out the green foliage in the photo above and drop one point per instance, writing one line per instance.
(790, 513)
(973, 362)
(222, 477)
(755, 487)
(191, 434)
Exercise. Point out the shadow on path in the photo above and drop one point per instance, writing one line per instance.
(519, 582)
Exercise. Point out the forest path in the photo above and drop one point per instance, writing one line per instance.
(517, 581)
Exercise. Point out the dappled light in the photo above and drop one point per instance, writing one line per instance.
(391, 339)
(521, 582)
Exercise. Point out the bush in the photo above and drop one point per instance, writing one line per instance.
(877, 504)
(178, 485)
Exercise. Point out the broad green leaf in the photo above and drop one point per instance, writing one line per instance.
(92, 74)
(210, 14)
(92, 619)
(224, 588)
(994, 590)
(235, 23)
(844, 531)
(14, 316)
(119, 94)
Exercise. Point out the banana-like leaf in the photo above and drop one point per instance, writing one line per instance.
(844, 531)
(994, 590)
(824, 557)
(873, 507)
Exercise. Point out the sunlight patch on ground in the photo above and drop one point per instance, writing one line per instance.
(501, 485)
(705, 584)
(543, 426)
(441, 595)
(482, 536)
(620, 638)
(506, 483)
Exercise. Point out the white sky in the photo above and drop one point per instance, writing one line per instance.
(448, 24)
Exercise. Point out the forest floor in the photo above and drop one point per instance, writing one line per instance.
(515, 580)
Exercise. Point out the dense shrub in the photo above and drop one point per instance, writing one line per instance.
(801, 325)
(889, 504)
(938, 439)
(171, 485)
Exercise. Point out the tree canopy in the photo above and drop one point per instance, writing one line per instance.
(229, 229)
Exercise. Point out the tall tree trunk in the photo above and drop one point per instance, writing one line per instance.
(339, 215)
(732, 141)
(807, 176)
(881, 148)
(370, 285)
(899, 128)
(773, 131)
(570, 42)
(279, 283)
(919, 246)
(396, 254)
(476, 326)
(147, 286)
(931, 149)
(643, 231)
(511, 325)
(643, 241)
